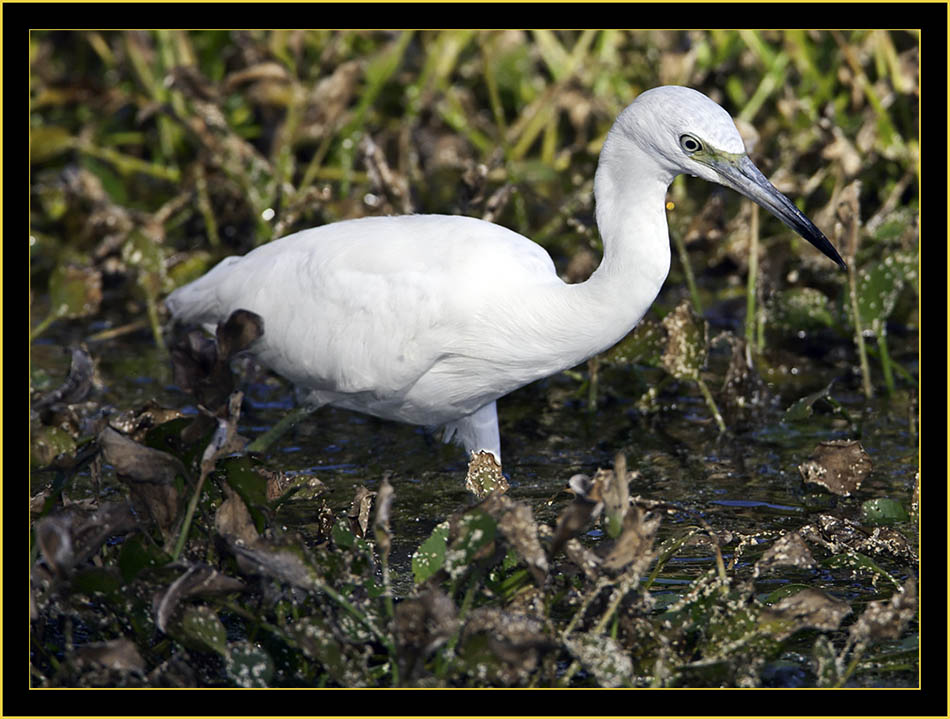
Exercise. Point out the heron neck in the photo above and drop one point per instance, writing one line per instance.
(563, 325)
(630, 193)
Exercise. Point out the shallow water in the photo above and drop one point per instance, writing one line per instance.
(548, 435)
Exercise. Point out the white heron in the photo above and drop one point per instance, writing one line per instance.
(429, 319)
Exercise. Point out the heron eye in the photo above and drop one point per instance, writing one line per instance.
(690, 144)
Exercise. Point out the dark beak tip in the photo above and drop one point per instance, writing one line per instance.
(822, 243)
(833, 255)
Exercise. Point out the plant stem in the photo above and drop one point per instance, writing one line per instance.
(151, 305)
(859, 330)
(601, 583)
(204, 205)
(662, 559)
(128, 164)
(885, 360)
(189, 514)
(593, 365)
(621, 589)
(41, 327)
(626, 585)
(711, 403)
(752, 280)
(114, 332)
(285, 424)
(687, 271)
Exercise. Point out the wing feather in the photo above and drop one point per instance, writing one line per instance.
(367, 307)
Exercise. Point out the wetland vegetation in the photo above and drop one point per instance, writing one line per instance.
(729, 497)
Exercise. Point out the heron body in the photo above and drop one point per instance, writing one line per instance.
(429, 319)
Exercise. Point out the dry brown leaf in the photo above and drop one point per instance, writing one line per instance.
(484, 475)
(807, 609)
(196, 580)
(839, 466)
(789, 550)
(635, 543)
(118, 654)
(887, 618)
(359, 510)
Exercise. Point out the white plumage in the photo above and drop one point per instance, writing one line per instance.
(429, 319)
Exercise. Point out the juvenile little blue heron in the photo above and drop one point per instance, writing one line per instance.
(429, 319)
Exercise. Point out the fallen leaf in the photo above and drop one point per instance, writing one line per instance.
(70, 538)
(789, 550)
(150, 474)
(635, 544)
(839, 466)
(359, 510)
(196, 580)
(603, 657)
(76, 386)
(118, 654)
(136, 462)
(888, 618)
(517, 525)
(233, 520)
(807, 609)
(484, 475)
(422, 624)
(504, 647)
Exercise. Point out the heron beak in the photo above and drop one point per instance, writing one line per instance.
(741, 174)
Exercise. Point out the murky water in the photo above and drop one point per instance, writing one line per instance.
(741, 482)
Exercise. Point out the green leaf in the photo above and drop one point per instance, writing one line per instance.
(786, 590)
(854, 560)
(685, 352)
(476, 530)
(74, 292)
(112, 182)
(511, 65)
(47, 443)
(895, 224)
(98, 580)
(642, 346)
(802, 409)
(799, 309)
(191, 268)
(508, 582)
(249, 665)
(883, 511)
(250, 485)
(725, 630)
(144, 253)
(879, 287)
(49, 141)
(318, 642)
(379, 70)
(136, 556)
(343, 538)
(430, 557)
(201, 628)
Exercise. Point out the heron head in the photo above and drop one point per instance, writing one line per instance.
(687, 133)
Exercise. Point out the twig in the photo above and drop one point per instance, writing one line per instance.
(286, 423)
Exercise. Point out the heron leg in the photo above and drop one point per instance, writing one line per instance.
(477, 432)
